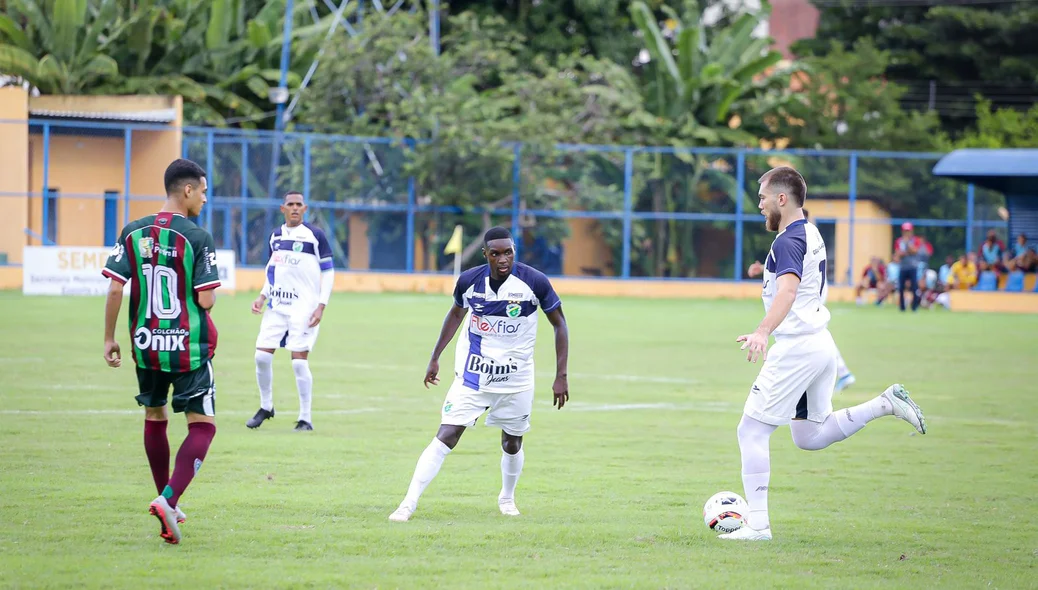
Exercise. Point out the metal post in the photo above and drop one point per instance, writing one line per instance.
(306, 168)
(209, 177)
(411, 204)
(740, 181)
(227, 231)
(625, 271)
(127, 166)
(286, 48)
(243, 246)
(517, 151)
(852, 197)
(434, 26)
(970, 203)
(279, 122)
(45, 190)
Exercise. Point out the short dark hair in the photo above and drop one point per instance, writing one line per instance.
(290, 193)
(496, 233)
(807, 216)
(180, 172)
(785, 179)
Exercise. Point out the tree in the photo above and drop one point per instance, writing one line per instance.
(1000, 128)
(943, 55)
(458, 116)
(220, 55)
(707, 87)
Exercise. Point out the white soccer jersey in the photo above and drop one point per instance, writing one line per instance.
(495, 354)
(298, 256)
(798, 249)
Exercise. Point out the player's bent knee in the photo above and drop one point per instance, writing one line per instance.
(158, 414)
(511, 444)
(193, 417)
(450, 434)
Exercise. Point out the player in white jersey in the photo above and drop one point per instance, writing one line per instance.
(493, 363)
(795, 385)
(844, 377)
(298, 284)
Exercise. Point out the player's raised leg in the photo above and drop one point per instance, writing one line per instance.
(429, 464)
(844, 423)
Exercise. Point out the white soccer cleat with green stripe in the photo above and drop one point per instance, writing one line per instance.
(904, 407)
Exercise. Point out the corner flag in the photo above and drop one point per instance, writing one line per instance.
(454, 244)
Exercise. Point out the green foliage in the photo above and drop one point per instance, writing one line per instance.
(708, 87)
(463, 106)
(204, 51)
(1001, 128)
(985, 48)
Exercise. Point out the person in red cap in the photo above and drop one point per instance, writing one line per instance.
(911, 248)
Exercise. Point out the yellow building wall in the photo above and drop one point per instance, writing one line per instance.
(360, 246)
(82, 167)
(873, 234)
(14, 171)
(585, 248)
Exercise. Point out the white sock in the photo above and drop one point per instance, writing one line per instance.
(840, 425)
(511, 468)
(755, 446)
(841, 367)
(265, 378)
(428, 466)
(305, 384)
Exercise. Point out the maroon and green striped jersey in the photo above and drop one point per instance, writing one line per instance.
(167, 260)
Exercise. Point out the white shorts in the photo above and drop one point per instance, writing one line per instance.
(278, 330)
(508, 411)
(796, 381)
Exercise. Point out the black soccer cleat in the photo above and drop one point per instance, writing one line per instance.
(260, 416)
(303, 425)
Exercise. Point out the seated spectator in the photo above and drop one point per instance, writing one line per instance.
(944, 273)
(964, 272)
(991, 252)
(1023, 257)
(893, 272)
(934, 290)
(873, 277)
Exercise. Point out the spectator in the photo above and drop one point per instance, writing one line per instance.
(893, 271)
(964, 272)
(991, 252)
(911, 247)
(944, 273)
(1024, 257)
(874, 277)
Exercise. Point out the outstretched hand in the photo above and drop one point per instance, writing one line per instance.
(757, 345)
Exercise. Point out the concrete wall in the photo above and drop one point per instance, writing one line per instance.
(14, 171)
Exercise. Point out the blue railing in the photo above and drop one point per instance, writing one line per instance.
(659, 211)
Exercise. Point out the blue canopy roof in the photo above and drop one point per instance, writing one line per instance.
(1011, 171)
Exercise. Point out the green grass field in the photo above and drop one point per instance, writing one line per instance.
(614, 484)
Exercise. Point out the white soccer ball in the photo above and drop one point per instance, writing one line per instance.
(725, 512)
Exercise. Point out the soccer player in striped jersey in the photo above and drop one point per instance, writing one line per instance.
(298, 285)
(170, 264)
(493, 364)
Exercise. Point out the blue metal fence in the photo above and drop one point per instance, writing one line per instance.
(648, 212)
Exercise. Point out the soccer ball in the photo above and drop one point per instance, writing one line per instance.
(725, 512)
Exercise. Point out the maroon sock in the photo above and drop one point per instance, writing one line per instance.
(156, 446)
(189, 459)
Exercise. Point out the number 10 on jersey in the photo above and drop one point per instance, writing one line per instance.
(160, 286)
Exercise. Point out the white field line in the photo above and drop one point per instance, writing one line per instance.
(127, 412)
(587, 376)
